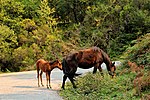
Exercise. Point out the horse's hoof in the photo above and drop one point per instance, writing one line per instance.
(62, 88)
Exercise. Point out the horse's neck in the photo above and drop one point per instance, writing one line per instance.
(106, 60)
(108, 64)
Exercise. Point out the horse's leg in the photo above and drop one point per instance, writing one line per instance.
(72, 81)
(94, 70)
(64, 79)
(100, 70)
(41, 78)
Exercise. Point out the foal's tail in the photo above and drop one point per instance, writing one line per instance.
(37, 68)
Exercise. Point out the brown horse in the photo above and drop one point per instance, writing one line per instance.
(46, 67)
(92, 57)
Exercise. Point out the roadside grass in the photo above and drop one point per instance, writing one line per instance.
(95, 87)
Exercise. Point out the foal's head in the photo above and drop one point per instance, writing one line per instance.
(56, 64)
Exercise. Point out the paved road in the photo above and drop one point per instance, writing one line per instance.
(23, 86)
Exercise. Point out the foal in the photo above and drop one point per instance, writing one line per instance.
(46, 67)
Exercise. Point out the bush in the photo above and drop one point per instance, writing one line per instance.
(92, 86)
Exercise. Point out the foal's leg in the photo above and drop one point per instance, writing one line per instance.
(49, 74)
(64, 79)
(47, 79)
(41, 78)
(38, 77)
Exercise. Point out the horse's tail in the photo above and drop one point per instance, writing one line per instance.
(77, 74)
(37, 68)
(64, 65)
(66, 69)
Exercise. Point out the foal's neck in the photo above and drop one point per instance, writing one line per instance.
(52, 66)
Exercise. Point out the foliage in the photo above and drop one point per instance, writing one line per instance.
(24, 38)
(8, 41)
(93, 86)
(140, 52)
(50, 29)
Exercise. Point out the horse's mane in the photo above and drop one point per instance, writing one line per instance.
(105, 56)
(96, 49)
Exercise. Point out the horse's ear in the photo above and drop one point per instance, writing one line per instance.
(75, 55)
(113, 63)
(78, 55)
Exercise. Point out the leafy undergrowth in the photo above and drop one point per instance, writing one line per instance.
(95, 87)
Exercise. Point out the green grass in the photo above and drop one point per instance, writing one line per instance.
(95, 87)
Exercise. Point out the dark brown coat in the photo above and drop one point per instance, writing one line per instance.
(87, 58)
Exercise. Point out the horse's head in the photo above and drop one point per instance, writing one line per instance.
(112, 69)
(57, 64)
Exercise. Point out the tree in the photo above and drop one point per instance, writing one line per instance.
(11, 14)
(8, 41)
(46, 15)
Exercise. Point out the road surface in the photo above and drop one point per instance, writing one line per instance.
(23, 86)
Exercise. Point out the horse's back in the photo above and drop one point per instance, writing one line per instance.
(91, 54)
(41, 61)
(85, 58)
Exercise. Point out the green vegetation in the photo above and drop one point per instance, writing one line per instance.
(140, 52)
(94, 87)
(127, 85)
